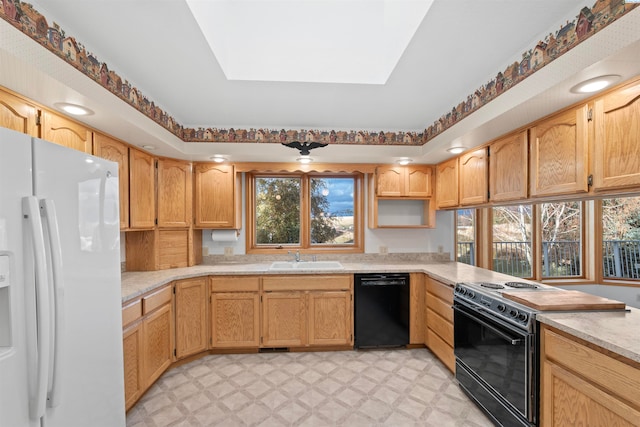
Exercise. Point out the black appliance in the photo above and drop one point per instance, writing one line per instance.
(381, 310)
(495, 344)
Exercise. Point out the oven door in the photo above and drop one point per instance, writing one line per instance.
(499, 357)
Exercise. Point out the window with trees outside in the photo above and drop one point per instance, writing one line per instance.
(621, 238)
(561, 227)
(302, 211)
(466, 236)
(511, 246)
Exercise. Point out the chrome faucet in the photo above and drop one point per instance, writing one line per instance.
(296, 255)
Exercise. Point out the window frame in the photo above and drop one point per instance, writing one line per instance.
(305, 245)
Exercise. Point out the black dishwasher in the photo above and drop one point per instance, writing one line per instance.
(381, 309)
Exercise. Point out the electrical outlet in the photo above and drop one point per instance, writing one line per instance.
(228, 251)
(205, 250)
(383, 249)
(440, 249)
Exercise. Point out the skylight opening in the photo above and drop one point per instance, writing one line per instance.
(323, 41)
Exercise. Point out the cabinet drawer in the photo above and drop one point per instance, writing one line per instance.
(440, 290)
(442, 350)
(131, 312)
(306, 283)
(439, 306)
(235, 284)
(440, 326)
(156, 299)
(619, 378)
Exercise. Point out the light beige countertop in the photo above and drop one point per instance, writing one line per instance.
(617, 331)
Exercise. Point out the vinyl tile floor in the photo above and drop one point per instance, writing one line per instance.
(347, 388)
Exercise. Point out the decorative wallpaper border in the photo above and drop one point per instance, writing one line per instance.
(589, 21)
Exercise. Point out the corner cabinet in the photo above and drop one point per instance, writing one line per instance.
(474, 177)
(559, 154)
(581, 384)
(617, 139)
(509, 168)
(217, 198)
(191, 316)
(447, 184)
(307, 311)
(116, 151)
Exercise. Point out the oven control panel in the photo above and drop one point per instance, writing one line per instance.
(495, 304)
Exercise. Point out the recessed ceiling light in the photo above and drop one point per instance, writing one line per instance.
(304, 159)
(404, 161)
(595, 84)
(218, 158)
(149, 147)
(73, 109)
(456, 150)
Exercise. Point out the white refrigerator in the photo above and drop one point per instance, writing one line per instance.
(61, 362)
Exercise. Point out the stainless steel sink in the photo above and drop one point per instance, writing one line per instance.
(305, 265)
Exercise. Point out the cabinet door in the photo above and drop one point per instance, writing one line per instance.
(474, 182)
(18, 115)
(447, 184)
(174, 193)
(191, 316)
(509, 168)
(417, 309)
(567, 399)
(215, 195)
(390, 181)
(418, 181)
(235, 319)
(116, 151)
(559, 154)
(68, 133)
(284, 320)
(330, 318)
(142, 192)
(132, 351)
(617, 139)
(158, 343)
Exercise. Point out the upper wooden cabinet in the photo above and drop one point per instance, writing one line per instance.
(175, 193)
(404, 181)
(142, 192)
(559, 154)
(447, 184)
(474, 177)
(617, 139)
(18, 114)
(216, 203)
(116, 151)
(68, 133)
(509, 168)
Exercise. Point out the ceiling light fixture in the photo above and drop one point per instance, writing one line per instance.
(404, 161)
(305, 160)
(73, 109)
(456, 150)
(149, 147)
(595, 84)
(218, 158)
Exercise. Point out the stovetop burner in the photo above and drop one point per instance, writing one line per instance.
(521, 285)
(491, 285)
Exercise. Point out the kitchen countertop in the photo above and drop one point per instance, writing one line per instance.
(618, 332)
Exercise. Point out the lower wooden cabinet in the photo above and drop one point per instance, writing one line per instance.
(581, 385)
(157, 337)
(439, 321)
(417, 319)
(306, 311)
(191, 316)
(132, 349)
(235, 311)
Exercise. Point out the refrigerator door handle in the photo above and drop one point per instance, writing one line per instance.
(48, 210)
(40, 344)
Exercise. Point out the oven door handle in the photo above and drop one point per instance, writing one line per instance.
(513, 341)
